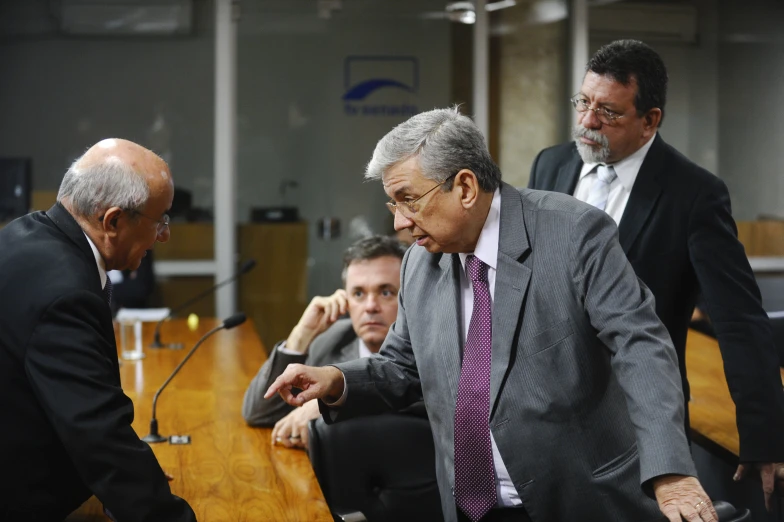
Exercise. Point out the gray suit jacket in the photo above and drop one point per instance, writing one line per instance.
(337, 344)
(586, 401)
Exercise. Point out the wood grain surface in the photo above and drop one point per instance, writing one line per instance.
(711, 410)
(229, 472)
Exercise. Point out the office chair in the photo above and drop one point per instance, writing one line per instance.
(728, 513)
(377, 469)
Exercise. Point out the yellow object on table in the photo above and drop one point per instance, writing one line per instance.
(193, 322)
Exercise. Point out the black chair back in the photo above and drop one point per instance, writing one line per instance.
(382, 466)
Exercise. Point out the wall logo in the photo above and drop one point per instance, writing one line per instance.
(380, 85)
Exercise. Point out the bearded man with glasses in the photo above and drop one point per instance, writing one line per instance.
(676, 227)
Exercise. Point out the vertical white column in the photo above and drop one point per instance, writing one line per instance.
(481, 68)
(225, 152)
(578, 43)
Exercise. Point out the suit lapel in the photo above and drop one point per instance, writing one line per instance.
(71, 229)
(449, 286)
(511, 282)
(568, 174)
(645, 193)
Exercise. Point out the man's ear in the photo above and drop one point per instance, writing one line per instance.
(109, 220)
(467, 186)
(651, 121)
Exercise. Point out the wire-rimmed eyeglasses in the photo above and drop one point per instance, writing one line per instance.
(605, 115)
(409, 208)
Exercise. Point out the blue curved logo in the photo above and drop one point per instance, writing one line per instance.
(361, 91)
(365, 75)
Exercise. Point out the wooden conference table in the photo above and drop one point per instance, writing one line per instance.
(229, 472)
(711, 410)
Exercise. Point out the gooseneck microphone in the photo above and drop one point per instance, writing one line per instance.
(231, 322)
(246, 267)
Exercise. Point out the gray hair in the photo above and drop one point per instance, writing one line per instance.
(372, 247)
(445, 142)
(110, 183)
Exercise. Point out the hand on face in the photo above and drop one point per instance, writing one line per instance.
(321, 313)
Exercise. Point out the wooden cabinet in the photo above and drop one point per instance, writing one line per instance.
(762, 238)
(273, 295)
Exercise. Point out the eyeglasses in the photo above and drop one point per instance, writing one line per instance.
(162, 223)
(604, 114)
(409, 208)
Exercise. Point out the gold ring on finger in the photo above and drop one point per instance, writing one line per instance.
(698, 504)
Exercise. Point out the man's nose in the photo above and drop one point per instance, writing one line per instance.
(590, 120)
(401, 221)
(371, 303)
(164, 235)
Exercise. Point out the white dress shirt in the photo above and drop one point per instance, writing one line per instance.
(487, 251)
(620, 189)
(98, 261)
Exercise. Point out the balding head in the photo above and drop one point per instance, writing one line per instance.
(110, 190)
(113, 172)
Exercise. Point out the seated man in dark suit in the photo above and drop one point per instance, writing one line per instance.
(371, 275)
(68, 431)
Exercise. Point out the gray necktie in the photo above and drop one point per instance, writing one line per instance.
(600, 190)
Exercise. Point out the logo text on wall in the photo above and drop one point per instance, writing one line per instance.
(380, 85)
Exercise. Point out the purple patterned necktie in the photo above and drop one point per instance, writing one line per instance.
(107, 291)
(475, 491)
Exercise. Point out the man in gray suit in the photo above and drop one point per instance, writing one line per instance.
(551, 385)
(371, 277)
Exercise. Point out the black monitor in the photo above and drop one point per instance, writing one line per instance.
(15, 187)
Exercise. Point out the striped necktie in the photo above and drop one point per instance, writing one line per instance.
(600, 191)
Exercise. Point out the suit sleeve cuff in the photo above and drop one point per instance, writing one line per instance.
(342, 399)
(282, 349)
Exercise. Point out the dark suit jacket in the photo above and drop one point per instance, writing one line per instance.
(337, 344)
(67, 423)
(678, 232)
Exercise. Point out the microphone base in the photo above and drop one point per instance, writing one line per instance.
(170, 346)
(153, 438)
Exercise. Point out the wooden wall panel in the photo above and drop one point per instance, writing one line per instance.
(273, 295)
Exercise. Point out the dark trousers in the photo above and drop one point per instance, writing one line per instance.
(498, 515)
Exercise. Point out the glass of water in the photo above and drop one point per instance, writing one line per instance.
(131, 340)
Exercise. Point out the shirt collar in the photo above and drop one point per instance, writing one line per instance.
(487, 244)
(626, 169)
(364, 351)
(98, 261)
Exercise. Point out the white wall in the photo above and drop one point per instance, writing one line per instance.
(60, 95)
(751, 123)
(292, 120)
(66, 93)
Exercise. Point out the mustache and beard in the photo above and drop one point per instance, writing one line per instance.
(588, 153)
